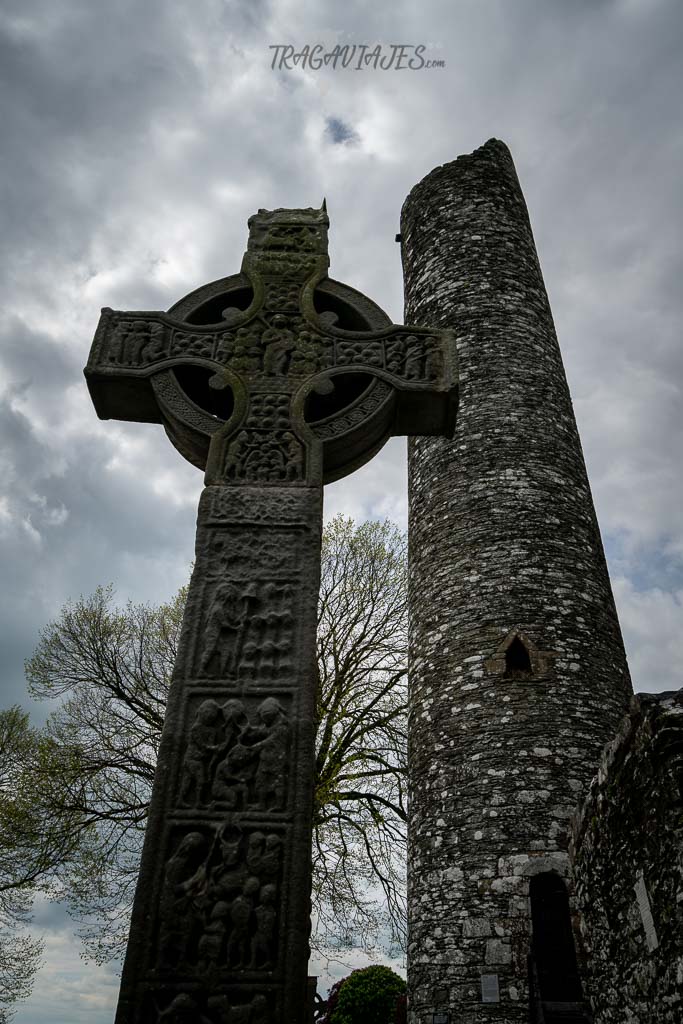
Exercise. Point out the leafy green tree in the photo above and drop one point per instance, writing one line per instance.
(111, 669)
(368, 996)
(34, 838)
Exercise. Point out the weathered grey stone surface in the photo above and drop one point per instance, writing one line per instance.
(517, 669)
(272, 381)
(221, 914)
(627, 860)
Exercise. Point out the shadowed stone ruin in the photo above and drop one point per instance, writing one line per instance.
(627, 859)
(518, 675)
(272, 381)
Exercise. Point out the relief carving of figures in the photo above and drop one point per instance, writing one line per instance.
(265, 460)
(265, 457)
(236, 760)
(255, 1012)
(214, 937)
(225, 347)
(310, 355)
(232, 773)
(395, 355)
(279, 343)
(263, 941)
(241, 911)
(183, 1010)
(224, 916)
(140, 343)
(433, 367)
(263, 854)
(185, 880)
(423, 358)
(238, 451)
(294, 457)
(226, 627)
(271, 740)
(247, 626)
(215, 727)
(414, 356)
(248, 352)
(186, 1009)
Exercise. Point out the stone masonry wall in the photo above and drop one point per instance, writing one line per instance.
(504, 543)
(627, 854)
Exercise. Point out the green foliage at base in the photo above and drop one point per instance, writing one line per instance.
(369, 996)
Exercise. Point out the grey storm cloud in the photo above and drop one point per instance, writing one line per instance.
(138, 137)
(339, 132)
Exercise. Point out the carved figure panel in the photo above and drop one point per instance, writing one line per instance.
(423, 360)
(183, 1009)
(264, 457)
(199, 1008)
(248, 629)
(218, 910)
(138, 343)
(237, 754)
(412, 357)
(256, 1011)
(275, 345)
(279, 342)
(272, 344)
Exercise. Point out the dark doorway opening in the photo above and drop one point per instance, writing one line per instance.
(552, 943)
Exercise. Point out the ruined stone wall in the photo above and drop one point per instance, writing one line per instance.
(627, 854)
(504, 544)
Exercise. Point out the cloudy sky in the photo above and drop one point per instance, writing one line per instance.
(138, 136)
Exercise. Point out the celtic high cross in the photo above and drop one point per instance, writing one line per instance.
(273, 381)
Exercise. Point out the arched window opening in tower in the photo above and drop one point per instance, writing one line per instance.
(517, 660)
(553, 952)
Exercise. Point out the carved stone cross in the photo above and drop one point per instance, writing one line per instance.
(273, 381)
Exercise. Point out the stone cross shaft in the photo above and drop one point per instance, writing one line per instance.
(273, 381)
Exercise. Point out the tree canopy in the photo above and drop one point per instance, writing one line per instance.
(110, 668)
(35, 838)
(360, 811)
(370, 995)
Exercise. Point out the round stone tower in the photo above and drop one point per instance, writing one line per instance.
(518, 675)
